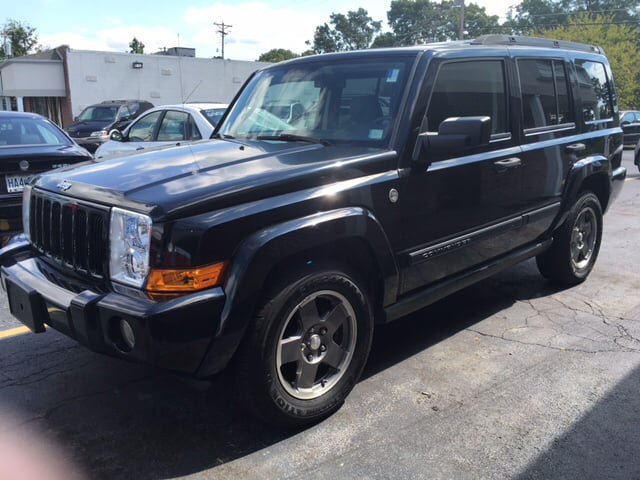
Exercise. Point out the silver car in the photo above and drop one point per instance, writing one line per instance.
(163, 126)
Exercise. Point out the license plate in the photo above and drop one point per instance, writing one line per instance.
(16, 183)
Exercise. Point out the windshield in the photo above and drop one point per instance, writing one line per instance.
(213, 115)
(106, 114)
(354, 100)
(29, 131)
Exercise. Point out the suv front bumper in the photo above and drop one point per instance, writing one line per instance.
(176, 334)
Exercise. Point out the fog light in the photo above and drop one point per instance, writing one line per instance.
(128, 337)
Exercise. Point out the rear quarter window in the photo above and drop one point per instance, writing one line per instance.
(595, 92)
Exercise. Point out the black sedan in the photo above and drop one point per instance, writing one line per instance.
(29, 144)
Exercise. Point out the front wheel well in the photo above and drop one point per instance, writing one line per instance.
(352, 254)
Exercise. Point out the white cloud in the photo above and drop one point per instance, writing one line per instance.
(254, 29)
(74, 40)
(114, 39)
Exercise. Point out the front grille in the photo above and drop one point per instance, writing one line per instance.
(69, 232)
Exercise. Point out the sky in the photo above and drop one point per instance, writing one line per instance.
(254, 27)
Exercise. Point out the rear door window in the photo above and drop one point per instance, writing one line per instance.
(546, 104)
(173, 127)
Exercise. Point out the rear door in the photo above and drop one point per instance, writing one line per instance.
(549, 136)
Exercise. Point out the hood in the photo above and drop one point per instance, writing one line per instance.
(208, 175)
(88, 126)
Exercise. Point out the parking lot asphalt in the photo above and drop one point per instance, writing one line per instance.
(511, 378)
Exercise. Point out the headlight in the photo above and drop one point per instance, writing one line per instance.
(100, 133)
(129, 237)
(26, 206)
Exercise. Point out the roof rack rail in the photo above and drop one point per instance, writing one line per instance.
(534, 42)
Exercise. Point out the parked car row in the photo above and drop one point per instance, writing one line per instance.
(92, 127)
(31, 144)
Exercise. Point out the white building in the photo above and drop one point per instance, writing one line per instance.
(59, 83)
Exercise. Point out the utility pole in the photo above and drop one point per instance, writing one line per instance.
(222, 30)
(461, 31)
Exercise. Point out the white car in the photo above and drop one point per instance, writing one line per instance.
(163, 126)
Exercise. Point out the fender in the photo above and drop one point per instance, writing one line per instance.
(593, 170)
(259, 253)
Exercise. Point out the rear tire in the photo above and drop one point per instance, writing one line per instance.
(576, 243)
(306, 348)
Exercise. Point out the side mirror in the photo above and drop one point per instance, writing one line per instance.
(75, 119)
(116, 135)
(455, 135)
(625, 123)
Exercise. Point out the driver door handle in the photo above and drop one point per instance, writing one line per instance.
(502, 165)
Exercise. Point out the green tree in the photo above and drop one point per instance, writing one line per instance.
(422, 21)
(136, 46)
(353, 31)
(387, 39)
(277, 55)
(21, 36)
(620, 43)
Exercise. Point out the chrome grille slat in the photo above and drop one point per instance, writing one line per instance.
(69, 232)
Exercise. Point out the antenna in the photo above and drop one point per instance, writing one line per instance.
(223, 32)
(180, 72)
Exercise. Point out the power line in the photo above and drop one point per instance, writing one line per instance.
(555, 25)
(579, 12)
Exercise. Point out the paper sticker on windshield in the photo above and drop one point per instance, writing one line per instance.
(392, 75)
(375, 134)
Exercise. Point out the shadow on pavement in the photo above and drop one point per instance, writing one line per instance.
(604, 443)
(405, 337)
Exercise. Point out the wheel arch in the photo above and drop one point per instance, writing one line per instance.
(589, 174)
(349, 236)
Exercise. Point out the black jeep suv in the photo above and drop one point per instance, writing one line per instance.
(404, 175)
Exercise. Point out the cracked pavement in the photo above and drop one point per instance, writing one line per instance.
(512, 378)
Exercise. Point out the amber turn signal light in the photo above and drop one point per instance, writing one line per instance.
(169, 280)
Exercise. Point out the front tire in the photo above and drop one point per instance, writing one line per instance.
(576, 243)
(306, 348)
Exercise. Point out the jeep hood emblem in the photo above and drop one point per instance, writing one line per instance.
(64, 185)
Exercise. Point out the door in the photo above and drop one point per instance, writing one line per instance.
(465, 207)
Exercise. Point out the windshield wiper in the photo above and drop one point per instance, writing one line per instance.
(289, 137)
(222, 136)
